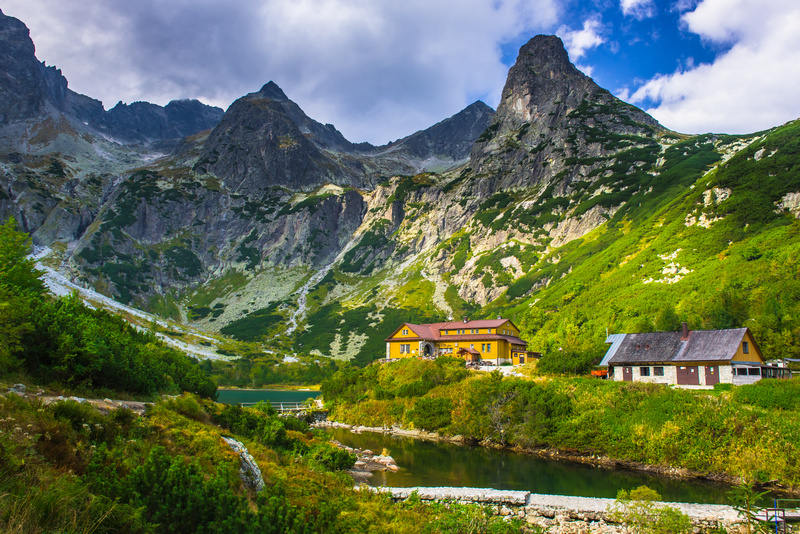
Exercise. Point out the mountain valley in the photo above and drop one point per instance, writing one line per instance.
(567, 210)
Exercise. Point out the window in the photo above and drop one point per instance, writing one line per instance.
(658, 371)
(483, 347)
(405, 348)
(405, 332)
(488, 347)
(754, 371)
(644, 371)
(472, 345)
(746, 347)
(488, 330)
(741, 371)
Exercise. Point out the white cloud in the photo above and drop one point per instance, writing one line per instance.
(640, 9)
(376, 70)
(751, 86)
(578, 42)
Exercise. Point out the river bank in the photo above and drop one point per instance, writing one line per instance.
(565, 514)
(593, 460)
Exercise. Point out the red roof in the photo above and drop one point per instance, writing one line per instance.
(432, 332)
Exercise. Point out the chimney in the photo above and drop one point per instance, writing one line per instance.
(465, 318)
(685, 334)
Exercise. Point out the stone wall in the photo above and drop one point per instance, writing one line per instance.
(560, 513)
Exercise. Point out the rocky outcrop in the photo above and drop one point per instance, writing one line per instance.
(249, 471)
(550, 111)
(26, 85)
(258, 144)
(446, 143)
(143, 122)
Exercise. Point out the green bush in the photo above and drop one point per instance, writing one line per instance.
(332, 458)
(770, 394)
(638, 510)
(431, 414)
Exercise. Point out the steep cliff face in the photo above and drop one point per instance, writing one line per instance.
(258, 144)
(551, 114)
(25, 84)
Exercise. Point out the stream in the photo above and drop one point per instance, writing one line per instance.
(431, 464)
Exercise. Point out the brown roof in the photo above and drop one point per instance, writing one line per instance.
(660, 347)
(471, 351)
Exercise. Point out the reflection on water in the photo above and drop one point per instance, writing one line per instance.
(430, 464)
(235, 396)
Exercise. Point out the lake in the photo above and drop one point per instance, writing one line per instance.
(432, 464)
(235, 396)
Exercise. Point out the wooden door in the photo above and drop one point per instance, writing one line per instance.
(688, 376)
(627, 374)
(712, 375)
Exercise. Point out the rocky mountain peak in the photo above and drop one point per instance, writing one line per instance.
(26, 85)
(543, 81)
(550, 112)
(272, 91)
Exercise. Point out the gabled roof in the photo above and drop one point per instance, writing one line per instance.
(664, 347)
(433, 331)
(615, 340)
(481, 323)
(711, 345)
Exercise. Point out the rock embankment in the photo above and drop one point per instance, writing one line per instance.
(368, 462)
(561, 513)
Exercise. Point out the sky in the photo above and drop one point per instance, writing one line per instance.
(382, 69)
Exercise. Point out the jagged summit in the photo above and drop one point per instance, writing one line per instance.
(26, 85)
(271, 90)
(549, 112)
(547, 53)
(31, 90)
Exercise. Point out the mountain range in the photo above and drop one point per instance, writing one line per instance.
(567, 210)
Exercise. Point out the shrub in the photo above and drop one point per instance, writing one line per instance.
(640, 513)
(431, 414)
(770, 394)
(332, 458)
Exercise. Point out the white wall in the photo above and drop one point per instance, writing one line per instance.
(670, 374)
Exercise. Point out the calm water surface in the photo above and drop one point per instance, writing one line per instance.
(235, 396)
(431, 464)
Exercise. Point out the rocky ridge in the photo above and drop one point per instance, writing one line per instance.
(221, 229)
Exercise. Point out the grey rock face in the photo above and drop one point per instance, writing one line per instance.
(249, 471)
(143, 122)
(258, 144)
(266, 140)
(25, 84)
(453, 137)
(550, 111)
